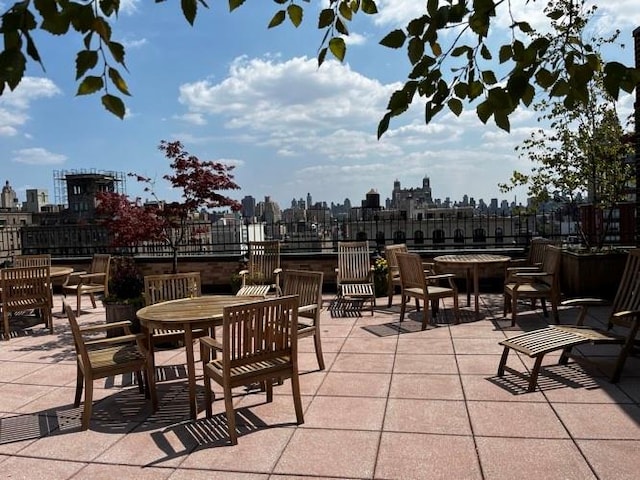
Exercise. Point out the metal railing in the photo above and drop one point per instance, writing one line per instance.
(454, 232)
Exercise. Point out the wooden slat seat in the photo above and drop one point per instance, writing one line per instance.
(254, 291)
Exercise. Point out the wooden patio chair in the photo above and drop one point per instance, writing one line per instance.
(354, 274)
(171, 286)
(262, 275)
(308, 286)
(625, 316)
(106, 357)
(32, 260)
(23, 289)
(259, 344)
(89, 283)
(538, 283)
(415, 284)
(393, 271)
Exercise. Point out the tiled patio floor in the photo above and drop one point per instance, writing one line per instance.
(393, 402)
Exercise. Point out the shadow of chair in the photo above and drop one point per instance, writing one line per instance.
(308, 286)
(171, 286)
(625, 316)
(415, 284)
(23, 289)
(96, 280)
(259, 344)
(393, 272)
(262, 275)
(99, 357)
(534, 283)
(354, 275)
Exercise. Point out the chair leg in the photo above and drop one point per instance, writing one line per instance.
(140, 382)
(425, 314)
(207, 395)
(78, 299)
(88, 402)
(544, 307)
(79, 386)
(533, 379)
(297, 400)
(403, 306)
(503, 361)
(514, 309)
(231, 415)
(456, 310)
(390, 293)
(93, 300)
(5, 326)
(269, 388)
(318, 345)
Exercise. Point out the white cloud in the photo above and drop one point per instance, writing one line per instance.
(38, 156)
(14, 105)
(355, 39)
(129, 7)
(134, 42)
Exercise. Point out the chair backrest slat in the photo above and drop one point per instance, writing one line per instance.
(24, 283)
(264, 259)
(390, 252)
(628, 295)
(536, 250)
(411, 271)
(354, 264)
(172, 286)
(32, 260)
(308, 286)
(259, 330)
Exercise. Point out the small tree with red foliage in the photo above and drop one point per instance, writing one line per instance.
(130, 221)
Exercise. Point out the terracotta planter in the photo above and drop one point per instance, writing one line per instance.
(591, 274)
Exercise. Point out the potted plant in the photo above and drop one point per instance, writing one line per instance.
(126, 287)
(380, 277)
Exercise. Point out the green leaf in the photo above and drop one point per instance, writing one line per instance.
(545, 78)
(505, 53)
(341, 27)
(89, 85)
(383, 125)
(528, 94)
(436, 48)
(321, 56)
(117, 51)
(394, 39)
(502, 121)
(489, 77)
(114, 105)
(189, 10)
(337, 47)
(109, 7)
(432, 7)
(484, 51)
(233, 4)
(295, 14)
(85, 60)
(326, 18)
(32, 51)
(484, 111)
(524, 27)
(455, 106)
(461, 89)
(12, 67)
(399, 101)
(117, 80)
(277, 19)
(345, 10)
(369, 7)
(415, 50)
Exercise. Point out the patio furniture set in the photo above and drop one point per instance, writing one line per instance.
(251, 337)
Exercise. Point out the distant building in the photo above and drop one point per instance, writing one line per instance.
(36, 200)
(9, 198)
(248, 206)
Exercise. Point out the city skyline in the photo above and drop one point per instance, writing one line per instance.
(234, 91)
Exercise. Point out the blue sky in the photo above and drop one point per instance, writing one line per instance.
(235, 92)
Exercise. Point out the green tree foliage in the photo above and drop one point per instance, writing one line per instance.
(452, 64)
(581, 151)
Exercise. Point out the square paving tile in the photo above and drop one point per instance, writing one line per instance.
(352, 413)
(610, 458)
(600, 421)
(433, 387)
(355, 384)
(427, 416)
(515, 419)
(363, 362)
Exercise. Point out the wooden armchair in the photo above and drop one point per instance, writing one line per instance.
(262, 274)
(308, 287)
(415, 284)
(535, 283)
(393, 271)
(354, 274)
(22, 289)
(624, 316)
(106, 357)
(89, 283)
(259, 344)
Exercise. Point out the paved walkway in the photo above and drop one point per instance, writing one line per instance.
(393, 402)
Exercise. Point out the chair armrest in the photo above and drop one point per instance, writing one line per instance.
(522, 269)
(115, 340)
(532, 275)
(440, 276)
(73, 278)
(92, 276)
(243, 272)
(105, 326)
(277, 271)
(584, 302)
(210, 343)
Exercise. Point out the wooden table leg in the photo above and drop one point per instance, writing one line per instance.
(467, 285)
(476, 289)
(191, 371)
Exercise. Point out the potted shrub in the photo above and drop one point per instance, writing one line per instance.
(126, 286)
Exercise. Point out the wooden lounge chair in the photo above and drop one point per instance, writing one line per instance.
(23, 289)
(308, 287)
(534, 283)
(106, 357)
(354, 274)
(416, 284)
(259, 344)
(262, 275)
(625, 314)
(89, 283)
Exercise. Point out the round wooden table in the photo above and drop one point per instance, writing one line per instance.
(57, 272)
(188, 314)
(473, 264)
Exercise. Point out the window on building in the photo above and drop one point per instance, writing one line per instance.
(458, 236)
(380, 238)
(361, 236)
(499, 235)
(418, 237)
(438, 236)
(399, 237)
(479, 235)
